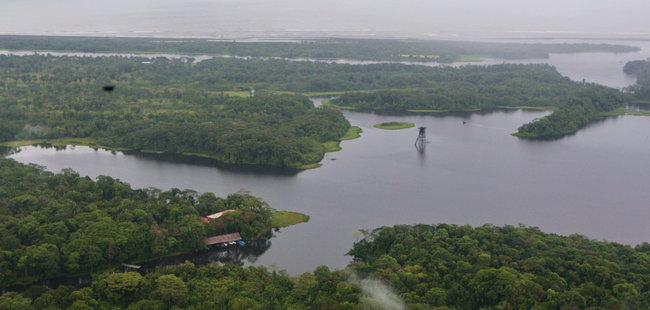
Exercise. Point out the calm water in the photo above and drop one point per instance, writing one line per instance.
(592, 183)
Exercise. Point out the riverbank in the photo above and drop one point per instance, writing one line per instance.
(335, 146)
(329, 146)
(281, 219)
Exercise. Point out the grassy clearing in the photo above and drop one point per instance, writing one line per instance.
(309, 166)
(237, 93)
(63, 142)
(281, 219)
(21, 143)
(328, 103)
(323, 93)
(332, 146)
(428, 111)
(353, 133)
(419, 56)
(624, 111)
(638, 113)
(523, 107)
(468, 58)
(394, 125)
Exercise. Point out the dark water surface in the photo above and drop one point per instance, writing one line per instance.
(592, 183)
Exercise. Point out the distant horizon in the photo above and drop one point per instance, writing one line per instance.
(424, 19)
(307, 34)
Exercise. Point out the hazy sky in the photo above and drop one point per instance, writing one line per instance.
(413, 17)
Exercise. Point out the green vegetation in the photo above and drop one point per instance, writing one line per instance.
(400, 50)
(153, 109)
(332, 146)
(416, 267)
(62, 142)
(640, 68)
(468, 58)
(394, 125)
(54, 225)
(501, 86)
(310, 166)
(353, 133)
(427, 111)
(335, 146)
(280, 219)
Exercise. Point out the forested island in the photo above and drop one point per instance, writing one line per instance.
(353, 49)
(394, 125)
(472, 88)
(440, 267)
(158, 107)
(641, 69)
(54, 225)
(157, 101)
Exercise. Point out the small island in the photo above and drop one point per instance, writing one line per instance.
(394, 125)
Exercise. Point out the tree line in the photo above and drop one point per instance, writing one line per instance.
(156, 108)
(502, 86)
(641, 69)
(357, 49)
(54, 225)
(439, 267)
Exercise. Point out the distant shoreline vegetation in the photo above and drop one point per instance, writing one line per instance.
(394, 125)
(352, 49)
(574, 104)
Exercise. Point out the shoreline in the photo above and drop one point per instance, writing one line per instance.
(330, 146)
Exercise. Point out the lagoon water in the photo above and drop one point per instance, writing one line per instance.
(592, 183)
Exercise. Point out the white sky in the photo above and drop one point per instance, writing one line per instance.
(218, 17)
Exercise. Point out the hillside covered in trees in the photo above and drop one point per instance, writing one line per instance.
(415, 267)
(54, 225)
(155, 107)
(356, 49)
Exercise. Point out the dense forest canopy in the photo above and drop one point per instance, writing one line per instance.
(148, 90)
(416, 267)
(502, 86)
(640, 68)
(54, 225)
(155, 107)
(359, 49)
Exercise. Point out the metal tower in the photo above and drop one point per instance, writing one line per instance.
(421, 141)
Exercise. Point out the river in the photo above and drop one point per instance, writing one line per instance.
(592, 183)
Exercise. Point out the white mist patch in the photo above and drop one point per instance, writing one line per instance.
(29, 131)
(377, 294)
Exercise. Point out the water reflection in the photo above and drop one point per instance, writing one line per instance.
(238, 255)
(208, 162)
(6, 151)
(637, 107)
(183, 159)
